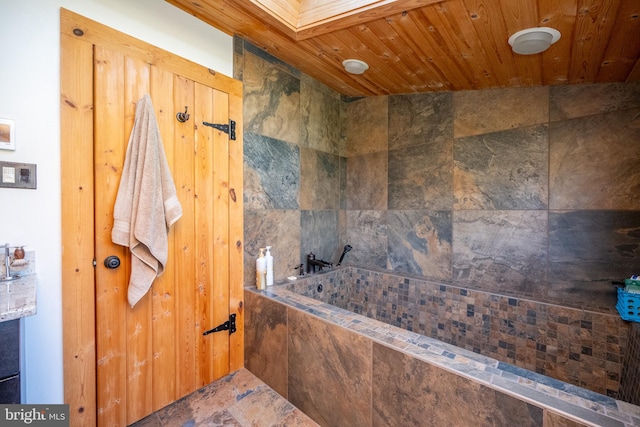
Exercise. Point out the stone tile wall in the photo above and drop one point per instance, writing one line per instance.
(579, 347)
(293, 174)
(526, 191)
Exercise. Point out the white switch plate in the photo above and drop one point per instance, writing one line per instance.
(9, 174)
(18, 175)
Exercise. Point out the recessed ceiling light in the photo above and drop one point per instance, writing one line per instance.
(533, 40)
(355, 66)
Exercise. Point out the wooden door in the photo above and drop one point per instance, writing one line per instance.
(151, 355)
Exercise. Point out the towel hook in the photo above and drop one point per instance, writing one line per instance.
(183, 117)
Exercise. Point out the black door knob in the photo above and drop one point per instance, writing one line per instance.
(112, 262)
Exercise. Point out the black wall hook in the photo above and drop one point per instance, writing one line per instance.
(183, 117)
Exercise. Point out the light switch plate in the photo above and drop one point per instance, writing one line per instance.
(17, 175)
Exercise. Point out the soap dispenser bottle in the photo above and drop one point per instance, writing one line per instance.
(269, 259)
(261, 271)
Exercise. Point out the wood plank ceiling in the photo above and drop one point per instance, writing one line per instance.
(431, 45)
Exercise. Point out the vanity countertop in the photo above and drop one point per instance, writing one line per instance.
(18, 297)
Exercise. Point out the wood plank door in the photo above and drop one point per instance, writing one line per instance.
(137, 360)
(155, 352)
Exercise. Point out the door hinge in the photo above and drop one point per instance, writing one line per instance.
(228, 128)
(229, 325)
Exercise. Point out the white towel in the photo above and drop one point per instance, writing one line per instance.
(146, 205)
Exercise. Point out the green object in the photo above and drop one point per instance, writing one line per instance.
(634, 289)
(632, 282)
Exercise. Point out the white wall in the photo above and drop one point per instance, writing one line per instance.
(29, 94)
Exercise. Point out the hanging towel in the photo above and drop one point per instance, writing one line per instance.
(146, 205)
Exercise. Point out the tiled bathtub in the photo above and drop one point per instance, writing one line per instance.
(346, 369)
(581, 347)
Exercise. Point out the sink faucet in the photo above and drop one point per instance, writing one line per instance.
(312, 263)
(7, 262)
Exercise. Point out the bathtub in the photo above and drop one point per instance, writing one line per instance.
(344, 368)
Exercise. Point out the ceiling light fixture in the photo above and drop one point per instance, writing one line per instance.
(533, 40)
(355, 66)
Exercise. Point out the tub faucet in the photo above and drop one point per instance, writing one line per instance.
(300, 270)
(312, 263)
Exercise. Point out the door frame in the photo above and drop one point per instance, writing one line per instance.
(78, 35)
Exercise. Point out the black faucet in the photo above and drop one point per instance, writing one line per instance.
(312, 263)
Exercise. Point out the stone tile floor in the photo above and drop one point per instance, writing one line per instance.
(240, 399)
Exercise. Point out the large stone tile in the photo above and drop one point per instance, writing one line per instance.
(367, 181)
(486, 111)
(568, 102)
(594, 162)
(344, 123)
(261, 409)
(279, 228)
(344, 237)
(366, 126)
(265, 341)
(555, 420)
(367, 233)
(238, 399)
(502, 170)
(220, 418)
(271, 102)
(238, 58)
(296, 419)
(320, 111)
(343, 182)
(329, 372)
(271, 173)
(409, 392)
(501, 250)
(420, 243)
(152, 420)
(418, 118)
(210, 403)
(421, 176)
(306, 79)
(265, 56)
(198, 413)
(319, 234)
(589, 249)
(319, 180)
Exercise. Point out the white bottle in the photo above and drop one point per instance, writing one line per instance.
(261, 271)
(269, 259)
